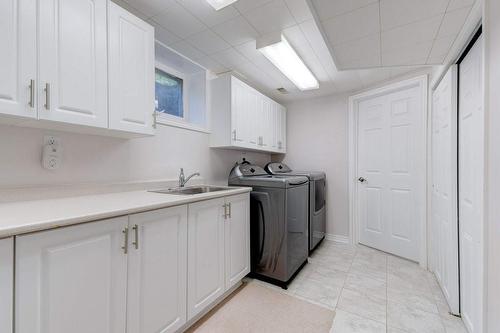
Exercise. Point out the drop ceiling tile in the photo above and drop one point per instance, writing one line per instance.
(299, 9)
(407, 54)
(353, 25)
(456, 4)
(327, 9)
(187, 50)
(413, 33)
(440, 49)
(131, 9)
(229, 58)
(394, 13)
(210, 64)
(207, 14)
(313, 35)
(163, 35)
(236, 31)
(179, 21)
(347, 81)
(270, 17)
(360, 53)
(208, 42)
(150, 7)
(246, 5)
(369, 77)
(453, 22)
(257, 77)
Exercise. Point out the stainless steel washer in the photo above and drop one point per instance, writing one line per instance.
(316, 202)
(278, 222)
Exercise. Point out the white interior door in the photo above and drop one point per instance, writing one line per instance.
(471, 186)
(390, 149)
(444, 212)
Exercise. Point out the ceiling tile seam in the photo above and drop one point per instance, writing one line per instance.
(253, 8)
(413, 22)
(196, 16)
(437, 33)
(315, 53)
(291, 13)
(248, 22)
(349, 11)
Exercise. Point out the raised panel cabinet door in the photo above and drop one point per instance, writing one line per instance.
(131, 72)
(282, 125)
(239, 108)
(72, 279)
(157, 271)
(72, 48)
(205, 254)
(237, 239)
(6, 285)
(18, 58)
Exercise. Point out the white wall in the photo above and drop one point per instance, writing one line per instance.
(492, 196)
(97, 159)
(317, 140)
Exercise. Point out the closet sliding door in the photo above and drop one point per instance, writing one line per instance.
(444, 224)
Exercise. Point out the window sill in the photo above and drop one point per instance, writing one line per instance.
(184, 125)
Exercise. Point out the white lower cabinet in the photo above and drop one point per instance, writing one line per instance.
(205, 254)
(237, 239)
(157, 267)
(72, 279)
(6, 285)
(143, 273)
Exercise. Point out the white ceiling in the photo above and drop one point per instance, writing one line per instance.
(374, 33)
(225, 40)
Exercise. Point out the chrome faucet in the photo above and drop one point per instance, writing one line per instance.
(183, 180)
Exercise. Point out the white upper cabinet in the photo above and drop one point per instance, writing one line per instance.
(72, 279)
(18, 58)
(131, 72)
(157, 271)
(6, 285)
(73, 62)
(243, 118)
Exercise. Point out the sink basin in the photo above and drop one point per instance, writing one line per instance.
(191, 190)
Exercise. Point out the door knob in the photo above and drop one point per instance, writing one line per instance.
(361, 180)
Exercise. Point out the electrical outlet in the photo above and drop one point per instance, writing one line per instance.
(51, 140)
(51, 152)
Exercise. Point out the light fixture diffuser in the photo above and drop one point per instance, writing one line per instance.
(284, 57)
(219, 4)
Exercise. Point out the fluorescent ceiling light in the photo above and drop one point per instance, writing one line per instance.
(283, 56)
(219, 4)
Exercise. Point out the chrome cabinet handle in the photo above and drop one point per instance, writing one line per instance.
(229, 205)
(234, 135)
(225, 211)
(47, 96)
(125, 240)
(31, 102)
(136, 235)
(154, 119)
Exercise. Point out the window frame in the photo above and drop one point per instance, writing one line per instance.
(168, 119)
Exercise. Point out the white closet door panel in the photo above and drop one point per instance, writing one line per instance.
(72, 279)
(471, 187)
(131, 72)
(157, 271)
(444, 223)
(18, 57)
(73, 61)
(6, 285)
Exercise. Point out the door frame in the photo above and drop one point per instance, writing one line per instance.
(422, 83)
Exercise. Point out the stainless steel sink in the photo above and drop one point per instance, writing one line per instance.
(190, 190)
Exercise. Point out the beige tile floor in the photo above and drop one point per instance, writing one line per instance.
(373, 292)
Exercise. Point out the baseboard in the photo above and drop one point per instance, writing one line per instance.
(338, 238)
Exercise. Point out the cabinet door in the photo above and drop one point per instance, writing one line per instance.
(282, 129)
(72, 279)
(6, 284)
(131, 72)
(205, 254)
(18, 58)
(237, 239)
(264, 123)
(73, 62)
(157, 271)
(239, 110)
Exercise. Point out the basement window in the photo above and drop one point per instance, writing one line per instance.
(169, 94)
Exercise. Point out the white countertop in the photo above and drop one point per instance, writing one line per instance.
(29, 216)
